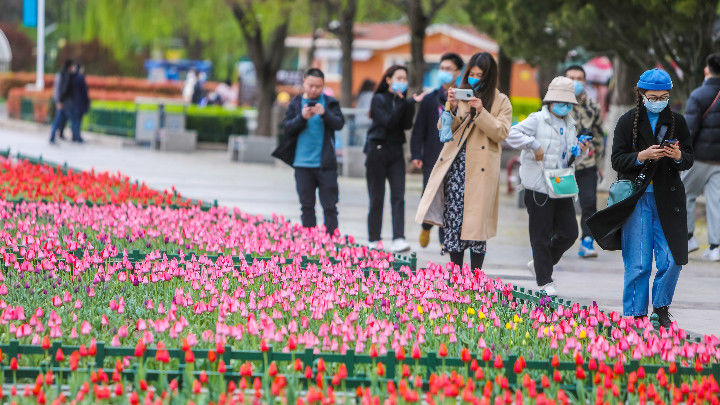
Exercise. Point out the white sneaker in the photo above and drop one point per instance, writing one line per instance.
(693, 245)
(712, 254)
(549, 289)
(399, 245)
(531, 268)
(373, 245)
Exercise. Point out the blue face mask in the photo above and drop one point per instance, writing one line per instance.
(476, 83)
(579, 87)
(399, 87)
(444, 77)
(656, 106)
(561, 109)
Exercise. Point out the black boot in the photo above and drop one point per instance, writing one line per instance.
(663, 314)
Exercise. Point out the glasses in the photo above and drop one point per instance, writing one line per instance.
(661, 98)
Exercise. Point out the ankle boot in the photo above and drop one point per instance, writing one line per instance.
(663, 314)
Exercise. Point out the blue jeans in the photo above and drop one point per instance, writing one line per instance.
(642, 235)
(61, 118)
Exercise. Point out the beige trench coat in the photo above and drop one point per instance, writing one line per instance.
(482, 170)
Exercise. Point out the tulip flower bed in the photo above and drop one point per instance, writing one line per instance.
(126, 303)
(22, 179)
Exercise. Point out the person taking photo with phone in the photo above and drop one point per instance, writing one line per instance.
(309, 147)
(425, 145)
(548, 139)
(464, 185)
(391, 112)
(651, 146)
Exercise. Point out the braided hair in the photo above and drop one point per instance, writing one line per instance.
(638, 106)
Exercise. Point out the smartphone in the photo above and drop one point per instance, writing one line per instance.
(669, 142)
(311, 103)
(464, 94)
(585, 138)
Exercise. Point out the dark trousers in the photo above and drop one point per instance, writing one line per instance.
(553, 230)
(587, 180)
(426, 176)
(385, 162)
(62, 116)
(307, 181)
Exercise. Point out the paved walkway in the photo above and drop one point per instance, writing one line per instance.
(264, 189)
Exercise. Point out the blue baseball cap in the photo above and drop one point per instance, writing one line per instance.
(655, 79)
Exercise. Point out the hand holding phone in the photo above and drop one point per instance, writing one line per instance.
(464, 94)
(668, 143)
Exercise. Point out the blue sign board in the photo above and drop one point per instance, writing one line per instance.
(30, 13)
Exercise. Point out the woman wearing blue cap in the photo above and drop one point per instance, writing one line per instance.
(646, 213)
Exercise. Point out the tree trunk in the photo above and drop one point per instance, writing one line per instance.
(315, 22)
(265, 99)
(504, 72)
(346, 35)
(622, 99)
(418, 22)
(545, 75)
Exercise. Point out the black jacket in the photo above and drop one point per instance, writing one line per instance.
(294, 124)
(425, 142)
(391, 116)
(606, 225)
(80, 94)
(705, 132)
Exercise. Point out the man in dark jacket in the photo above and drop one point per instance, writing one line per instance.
(65, 107)
(425, 145)
(702, 114)
(309, 146)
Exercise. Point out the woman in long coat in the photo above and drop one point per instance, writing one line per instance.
(651, 146)
(462, 193)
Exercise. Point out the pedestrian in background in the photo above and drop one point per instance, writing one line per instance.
(464, 185)
(309, 147)
(66, 109)
(586, 114)
(425, 145)
(651, 146)
(702, 114)
(391, 112)
(548, 139)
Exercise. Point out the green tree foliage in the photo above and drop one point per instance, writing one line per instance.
(640, 33)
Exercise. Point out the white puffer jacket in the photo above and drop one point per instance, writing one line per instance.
(556, 136)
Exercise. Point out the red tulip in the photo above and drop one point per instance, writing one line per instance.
(400, 354)
(263, 346)
(442, 351)
(555, 362)
(465, 355)
(580, 373)
(499, 362)
(618, 368)
(59, 356)
(416, 351)
(221, 367)
(373, 351)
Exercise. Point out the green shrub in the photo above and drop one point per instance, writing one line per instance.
(215, 124)
(524, 106)
(212, 123)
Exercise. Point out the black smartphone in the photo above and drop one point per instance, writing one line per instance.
(311, 103)
(669, 143)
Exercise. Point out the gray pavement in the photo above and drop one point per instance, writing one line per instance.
(268, 189)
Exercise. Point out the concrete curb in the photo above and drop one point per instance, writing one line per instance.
(34, 127)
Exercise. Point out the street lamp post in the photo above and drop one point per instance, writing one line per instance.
(40, 62)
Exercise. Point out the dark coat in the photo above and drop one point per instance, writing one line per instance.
(425, 142)
(391, 116)
(705, 132)
(606, 225)
(294, 124)
(81, 99)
